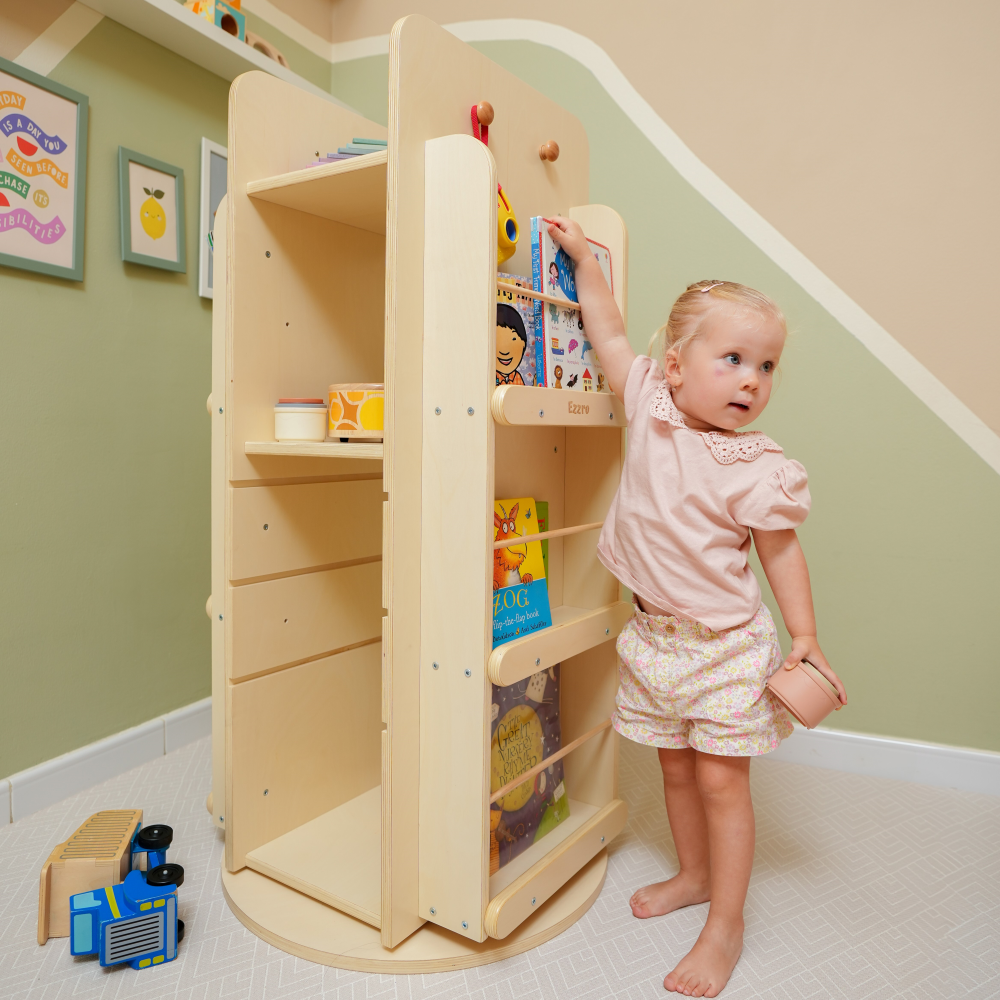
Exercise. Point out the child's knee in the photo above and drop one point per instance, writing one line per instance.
(722, 777)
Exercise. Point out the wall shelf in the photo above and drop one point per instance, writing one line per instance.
(167, 23)
(315, 449)
(538, 406)
(348, 191)
(573, 631)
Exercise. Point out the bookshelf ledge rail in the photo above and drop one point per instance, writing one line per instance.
(541, 406)
(316, 449)
(573, 631)
(548, 761)
(554, 533)
(540, 296)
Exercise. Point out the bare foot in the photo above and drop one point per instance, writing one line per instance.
(682, 890)
(706, 968)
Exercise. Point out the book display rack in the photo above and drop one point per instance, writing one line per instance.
(352, 583)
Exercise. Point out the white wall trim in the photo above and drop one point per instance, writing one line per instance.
(911, 372)
(59, 39)
(53, 780)
(883, 757)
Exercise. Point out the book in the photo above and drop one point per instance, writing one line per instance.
(525, 730)
(525, 725)
(542, 516)
(516, 353)
(520, 594)
(566, 358)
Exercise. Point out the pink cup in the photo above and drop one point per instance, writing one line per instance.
(805, 692)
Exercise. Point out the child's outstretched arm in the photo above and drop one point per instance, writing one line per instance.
(601, 317)
(785, 567)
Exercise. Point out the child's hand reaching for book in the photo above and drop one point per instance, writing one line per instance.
(569, 235)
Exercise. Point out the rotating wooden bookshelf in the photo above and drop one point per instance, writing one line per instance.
(352, 583)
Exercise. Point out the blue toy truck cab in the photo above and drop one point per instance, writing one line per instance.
(135, 922)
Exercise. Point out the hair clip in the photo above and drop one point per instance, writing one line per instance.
(708, 288)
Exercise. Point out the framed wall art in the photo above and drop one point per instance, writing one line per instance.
(214, 167)
(43, 173)
(152, 211)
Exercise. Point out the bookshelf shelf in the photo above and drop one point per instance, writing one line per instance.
(311, 857)
(352, 192)
(538, 406)
(315, 449)
(573, 631)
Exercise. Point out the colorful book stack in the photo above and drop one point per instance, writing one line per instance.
(566, 358)
(356, 147)
(525, 719)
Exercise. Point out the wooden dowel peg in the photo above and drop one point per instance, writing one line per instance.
(555, 533)
(541, 296)
(549, 151)
(484, 112)
(551, 759)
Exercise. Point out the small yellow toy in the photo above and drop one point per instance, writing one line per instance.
(507, 228)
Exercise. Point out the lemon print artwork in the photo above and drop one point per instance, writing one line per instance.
(152, 216)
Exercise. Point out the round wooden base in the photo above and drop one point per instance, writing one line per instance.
(304, 927)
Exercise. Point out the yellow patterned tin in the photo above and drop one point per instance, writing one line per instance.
(355, 410)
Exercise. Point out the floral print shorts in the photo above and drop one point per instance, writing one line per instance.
(683, 685)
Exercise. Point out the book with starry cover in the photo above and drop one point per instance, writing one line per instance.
(525, 730)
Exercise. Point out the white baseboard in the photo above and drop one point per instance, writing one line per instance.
(53, 780)
(883, 757)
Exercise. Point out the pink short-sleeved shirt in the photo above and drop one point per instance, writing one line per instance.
(677, 533)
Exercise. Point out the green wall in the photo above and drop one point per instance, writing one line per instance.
(104, 495)
(104, 498)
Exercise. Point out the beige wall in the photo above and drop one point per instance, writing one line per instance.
(866, 133)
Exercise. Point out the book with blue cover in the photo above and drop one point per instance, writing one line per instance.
(520, 593)
(565, 358)
(516, 353)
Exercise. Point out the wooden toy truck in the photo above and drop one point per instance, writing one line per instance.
(352, 583)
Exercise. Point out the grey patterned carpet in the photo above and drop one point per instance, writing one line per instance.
(862, 888)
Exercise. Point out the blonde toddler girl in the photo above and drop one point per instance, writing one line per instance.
(697, 653)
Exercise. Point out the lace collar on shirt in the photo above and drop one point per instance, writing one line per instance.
(725, 448)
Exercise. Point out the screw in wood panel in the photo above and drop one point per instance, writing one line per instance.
(484, 112)
(611, 416)
(220, 618)
(532, 900)
(220, 409)
(471, 411)
(434, 666)
(549, 151)
(265, 527)
(538, 661)
(555, 449)
(437, 410)
(541, 413)
(267, 253)
(433, 912)
(465, 925)
(468, 672)
(265, 791)
(607, 631)
(602, 840)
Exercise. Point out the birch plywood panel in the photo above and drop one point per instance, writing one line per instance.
(455, 626)
(281, 622)
(290, 267)
(310, 735)
(289, 529)
(434, 79)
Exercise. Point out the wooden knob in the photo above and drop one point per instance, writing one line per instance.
(484, 112)
(549, 151)
(208, 606)
(208, 403)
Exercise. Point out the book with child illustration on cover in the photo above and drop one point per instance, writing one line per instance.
(525, 720)
(525, 731)
(565, 357)
(516, 353)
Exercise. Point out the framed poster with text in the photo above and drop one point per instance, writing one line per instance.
(43, 173)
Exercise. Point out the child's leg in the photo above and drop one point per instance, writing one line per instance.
(724, 786)
(690, 829)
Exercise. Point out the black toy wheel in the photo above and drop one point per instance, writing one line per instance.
(180, 931)
(168, 874)
(155, 838)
